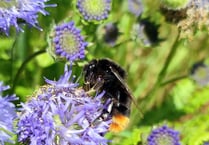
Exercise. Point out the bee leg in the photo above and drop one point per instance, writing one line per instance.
(98, 85)
(86, 86)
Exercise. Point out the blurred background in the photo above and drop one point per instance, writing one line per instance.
(164, 52)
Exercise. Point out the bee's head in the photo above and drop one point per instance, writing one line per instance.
(100, 70)
(96, 71)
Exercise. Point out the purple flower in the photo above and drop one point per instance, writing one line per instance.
(11, 11)
(7, 117)
(205, 143)
(163, 135)
(147, 32)
(68, 42)
(94, 10)
(200, 73)
(135, 7)
(111, 33)
(62, 113)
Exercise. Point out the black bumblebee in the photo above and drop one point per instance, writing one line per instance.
(106, 75)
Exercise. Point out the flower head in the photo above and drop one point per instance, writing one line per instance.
(94, 10)
(206, 143)
(194, 16)
(200, 73)
(163, 136)
(62, 113)
(11, 11)
(111, 33)
(8, 114)
(135, 7)
(147, 32)
(68, 42)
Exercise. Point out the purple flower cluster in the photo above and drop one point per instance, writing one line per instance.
(11, 11)
(94, 10)
(68, 42)
(62, 113)
(7, 117)
(163, 136)
(135, 7)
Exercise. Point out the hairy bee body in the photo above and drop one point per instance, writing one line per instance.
(105, 75)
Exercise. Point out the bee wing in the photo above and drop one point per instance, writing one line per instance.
(125, 87)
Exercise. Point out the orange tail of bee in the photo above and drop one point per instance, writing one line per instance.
(119, 123)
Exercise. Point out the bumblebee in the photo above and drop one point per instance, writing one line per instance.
(106, 75)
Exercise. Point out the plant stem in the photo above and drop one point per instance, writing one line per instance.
(173, 80)
(148, 99)
(22, 67)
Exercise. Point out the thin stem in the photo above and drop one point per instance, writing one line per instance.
(121, 43)
(20, 70)
(173, 80)
(12, 57)
(168, 60)
(161, 75)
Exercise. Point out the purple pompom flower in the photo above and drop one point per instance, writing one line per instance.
(68, 42)
(62, 113)
(11, 11)
(163, 136)
(94, 10)
(135, 7)
(7, 117)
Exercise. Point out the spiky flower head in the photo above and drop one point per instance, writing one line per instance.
(26, 11)
(61, 113)
(68, 42)
(94, 10)
(163, 136)
(7, 117)
(135, 7)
